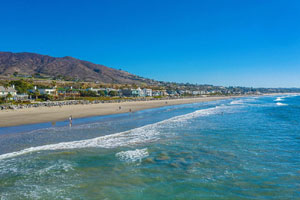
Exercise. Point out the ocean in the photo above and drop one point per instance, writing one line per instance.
(242, 148)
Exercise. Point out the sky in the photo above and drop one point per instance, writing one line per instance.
(221, 42)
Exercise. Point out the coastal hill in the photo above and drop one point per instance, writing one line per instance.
(32, 64)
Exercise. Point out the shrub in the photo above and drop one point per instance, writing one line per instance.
(88, 93)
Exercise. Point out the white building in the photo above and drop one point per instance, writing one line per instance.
(51, 91)
(181, 92)
(157, 93)
(9, 90)
(97, 89)
(137, 92)
(196, 92)
(147, 92)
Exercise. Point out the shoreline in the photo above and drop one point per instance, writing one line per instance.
(27, 116)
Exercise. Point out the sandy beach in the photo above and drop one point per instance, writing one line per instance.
(51, 114)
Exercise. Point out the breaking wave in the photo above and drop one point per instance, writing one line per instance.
(279, 99)
(281, 104)
(237, 102)
(133, 155)
(244, 101)
(147, 133)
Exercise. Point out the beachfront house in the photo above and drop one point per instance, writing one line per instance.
(159, 93)
(172, 93)
(98, 90)
(188, 92)
(156, 93)
(126, 92)
(181, 92)
(48, 91)
(196, 92)
(116, 91)
(147, 92)
(132, 92)
(137, 92)
(4, 91)
(68, 92)
(211, 92)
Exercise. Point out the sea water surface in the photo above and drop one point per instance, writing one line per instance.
(245, 148)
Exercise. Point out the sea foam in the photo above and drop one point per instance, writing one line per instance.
(133, 155)
(235, 102)
(279, 99)
(243, 101)
(281, 104)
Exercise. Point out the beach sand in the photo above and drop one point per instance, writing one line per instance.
(56, 113)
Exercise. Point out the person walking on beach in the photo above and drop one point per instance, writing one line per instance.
(70, 121)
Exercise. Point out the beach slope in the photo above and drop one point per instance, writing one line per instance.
(56, 113)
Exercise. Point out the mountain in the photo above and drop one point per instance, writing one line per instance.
(67, 67)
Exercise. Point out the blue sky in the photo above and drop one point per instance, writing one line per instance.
(243, 42)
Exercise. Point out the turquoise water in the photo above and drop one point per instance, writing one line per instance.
(246, 148)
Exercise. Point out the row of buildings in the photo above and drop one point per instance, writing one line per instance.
(146, 92)
(125, 92)
(73, 92)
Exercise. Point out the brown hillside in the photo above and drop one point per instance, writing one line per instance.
(31, 63)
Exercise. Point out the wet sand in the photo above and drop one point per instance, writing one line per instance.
(56, 113)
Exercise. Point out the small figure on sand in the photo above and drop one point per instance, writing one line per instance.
(119, 107)
(70, 121)
(53, 123)
(130, 110)
(166, 102)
